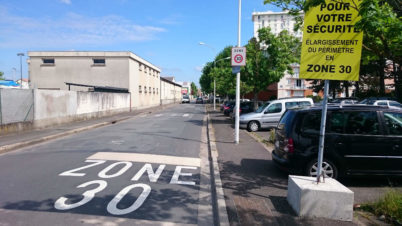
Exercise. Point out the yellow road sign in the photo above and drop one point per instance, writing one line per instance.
(332, 46)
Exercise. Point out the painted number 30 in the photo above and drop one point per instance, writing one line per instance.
(61, 203)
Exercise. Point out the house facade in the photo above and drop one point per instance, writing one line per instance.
(290, 85)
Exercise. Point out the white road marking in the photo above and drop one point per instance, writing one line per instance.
(146, 158)
(173, 115)
(158, 115)
(185, 115)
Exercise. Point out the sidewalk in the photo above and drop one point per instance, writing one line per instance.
(14, 141)
(255, 190)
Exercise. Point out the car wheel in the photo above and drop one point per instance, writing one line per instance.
(328, 167)
(253, 126)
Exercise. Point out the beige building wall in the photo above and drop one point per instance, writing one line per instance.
(120, 69)
(170, 92)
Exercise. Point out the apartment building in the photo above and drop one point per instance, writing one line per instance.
(289, 85)
(85, 71)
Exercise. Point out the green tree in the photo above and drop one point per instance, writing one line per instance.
(194, 89)
(1, 75)
(382, 29)
(268, 58)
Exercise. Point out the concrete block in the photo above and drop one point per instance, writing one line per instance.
(329, 200)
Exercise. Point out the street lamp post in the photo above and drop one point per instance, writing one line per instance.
(20, 55)
(226, 58)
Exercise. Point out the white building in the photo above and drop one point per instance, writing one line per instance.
(84, 71)
(289, 85)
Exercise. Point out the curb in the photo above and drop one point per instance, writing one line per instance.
(220, 202)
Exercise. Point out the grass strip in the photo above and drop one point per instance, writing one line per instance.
(390, 205)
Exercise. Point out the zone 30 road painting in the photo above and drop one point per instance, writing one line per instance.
(183, 175)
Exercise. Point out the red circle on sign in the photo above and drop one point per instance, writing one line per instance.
(238, 58)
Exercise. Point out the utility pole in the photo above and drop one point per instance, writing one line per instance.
(20, 55)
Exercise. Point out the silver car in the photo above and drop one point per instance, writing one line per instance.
(268, 115)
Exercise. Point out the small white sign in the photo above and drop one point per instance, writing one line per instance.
(239, 56)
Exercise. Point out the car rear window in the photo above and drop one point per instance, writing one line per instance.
(311, 122)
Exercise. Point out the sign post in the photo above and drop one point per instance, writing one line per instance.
(238, 60)
(331, 50)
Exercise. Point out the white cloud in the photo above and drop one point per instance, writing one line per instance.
(70, 31)
(68, 2)
(199, 68)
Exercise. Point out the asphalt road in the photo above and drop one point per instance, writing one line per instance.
(146, 170)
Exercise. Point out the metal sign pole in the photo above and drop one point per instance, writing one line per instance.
(322, 130)
(238, 82)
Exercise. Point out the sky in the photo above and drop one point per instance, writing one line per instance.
(166, 33)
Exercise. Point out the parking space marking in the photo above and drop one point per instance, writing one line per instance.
(185, 115)
(146, 158)
(158, 115)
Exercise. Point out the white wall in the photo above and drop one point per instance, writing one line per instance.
(60, 106)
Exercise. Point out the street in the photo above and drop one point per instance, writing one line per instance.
(145, 170)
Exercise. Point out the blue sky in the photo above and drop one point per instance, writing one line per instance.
(164, 32)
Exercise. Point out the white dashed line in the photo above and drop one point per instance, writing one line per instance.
(158, 115)
(185, 115)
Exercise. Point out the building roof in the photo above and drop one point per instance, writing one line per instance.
(165, 79)
(92, 54)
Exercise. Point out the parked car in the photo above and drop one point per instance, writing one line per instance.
(364, 101)
(185, 99)
(224, 104)
(344, 100)
(388, 103)
(359, 139)
(199, 100)
(228, 107)
(245, 107)
(268, 115)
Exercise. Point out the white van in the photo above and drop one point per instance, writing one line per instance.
(268, 115)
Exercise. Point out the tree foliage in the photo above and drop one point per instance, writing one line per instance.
(194, 89)
(382, 30)
(268, 58)
(1, 75)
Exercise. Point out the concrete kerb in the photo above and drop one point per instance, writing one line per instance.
(220, 197)
(11, 147)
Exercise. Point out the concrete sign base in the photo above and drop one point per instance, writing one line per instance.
(329, 200)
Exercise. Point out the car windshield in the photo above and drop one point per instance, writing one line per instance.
(262, 107)
(185, 97)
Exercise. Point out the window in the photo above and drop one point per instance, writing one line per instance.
(274, 108)
(364, 122)
(298, 83)
(311, 122)
(145, 89)
(145, 69)
(157, 91)
(382, 103)
(99, 62)
(140, 67)
(150, 89)
(139, 89)
(48, 61)
(337, 122)
(393, 122)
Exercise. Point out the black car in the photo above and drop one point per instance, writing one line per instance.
(245, 107)
(228, 107)
(199, 100)
(358, 140)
